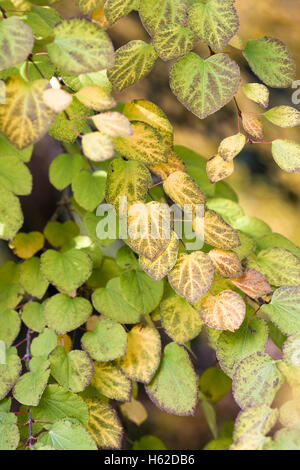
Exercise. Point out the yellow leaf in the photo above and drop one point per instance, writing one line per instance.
(183, 190)
(26, 245)
(253, 126)
(104, 425)
(257, 92)
(95, 97)
(160, 266)
(113, 124)
(110, 381)
(225, 311)
(231, 146)
(166, 169)
(99, 17)
(97, 146)
(253, 283)
(134, 411)
(227, 263)
(65, 341)
(218, 233)
(217, 169)
(57, 99)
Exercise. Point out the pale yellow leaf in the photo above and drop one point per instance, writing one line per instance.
(217, 169)
(160, 266)
(57, 99)
(227, 263)
(113, 124)
(225, 311)
(231, 146)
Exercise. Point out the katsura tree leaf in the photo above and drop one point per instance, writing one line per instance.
(80, 47)
(126, 259)
(73, 370)
(284, 439)
(192, 275)
(247, 246)
(252, 226)
(289, 414)
(149, 443)
(8, 149)
(217, 80)
(104, 425)
(58, 233)
(284, 309)
(10, 325)
(113, 124)
(116, 9)
(32, 279)
(14, 47)
(9, 433)
(57, 99)
(183, 190)
(31, 385)
(145, 145)
(11, 292)
(229, 210)
(215, 22)
(107, 342)
(143, 354)
(26, 245)
(224, 311)
(278, 265)
(97, 147)
(63, 313)
(88, 6)
(173, 41)
(161, 266)
(88, 246)
(64, 168)
(219, 233)
(140, 291)
(66, 435)
(20, 180)
(256, 380)
(67, 125)
(132, 63)
(291, 350)
(11, 217)
(283, 116)
(217, 169)
(253, 283)
(227, 263)
(134, 411)
(88, 188)
(95, 97)
(10, 371)
(286, 154)
(253, 126)
(214, 384)
(250, 338)
(271, 61)
(173, 388)
(166, 169)
(112, 304)
(25, 118)
(44, 343)
(57, 403)
(231, 146)
(128, 179)
(257, 92)
(156, 14)
(180, 320)
(99, 79)
(111, 382)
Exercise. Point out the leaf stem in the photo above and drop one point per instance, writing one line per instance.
(3, 12)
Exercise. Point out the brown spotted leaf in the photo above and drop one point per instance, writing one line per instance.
(253, 283)
(217, 169)
(253, 126)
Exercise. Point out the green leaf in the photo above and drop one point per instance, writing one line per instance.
(155, 14)
(11, 217)
(252, 226)
(276, 240)
(32, 277)
(286, 154)
(10, 325)
(271, 61)
(64, 168)
(283, 116)
(10, 371)
(68, 270)
(116, 9)
(217, 80)
(214, 384)
(215, 22)
(67, 436)
(63, 313)
(44, 343)
(180, 320)
(32, 316)
(10, 290)
(111, 382)
(173, 388)
(285, 439)
(132, 63)
(149, 443)
(9, 150)
(80, 47)
(73, 370)
(57, 403)
(173, 41)
(278, 265)
(107, 342)
(257, 92)
(68, 124)
(126, 258)
(14, 47)
(104, 425)
(31, 385)
(88, 246)
(256, 381)
(58, 234)
(221, 443)
(229, 210)
(89, 188)
(99, 79)
(140, 291)
(15, 176)
(247, 246)
(210, 416)
(284, 309)
(9, 433)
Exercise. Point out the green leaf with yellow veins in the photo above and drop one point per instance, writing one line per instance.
(284, 309)
(10, 325)
(286, 154)
(111, 382)
(110, 302)
(60, 233)
(271, 61)
(180, 320)
(283, 116)
(57, 403)
(250, 338)
(116, 9)
(73, 370)
(192, 275)
(132, 63)
(63, 313)
(88, 246)
(227, 263)
(214, 384)
(256, 381)
(231, 146)
(26, 245)
(64, 168)
(66, 435)
(31, 385)
(97, 146)
(44, 343)
(253, 283)
(10, 371)
(107, 342)
(279, 266)
(32, 278)
(113, 124)
(25, 118)
(217, 81)
(150, 113)
(142, 355)
(95, 97)
(215, 22)
(7, 149)
(68, 124)
(257, 92)
(218, 233)
(252, 226)
(145, 145)
(161, 266)
(217, 169)
(88, 188)
(80, 47)
(173, 388)
(88, 6)
(155, 14)
(225, 311)
(279, 241)
(140, 291)
(149, 443)
(14, 47)
(104, 425)
(173, 41)
(183, 190)
(20, 181)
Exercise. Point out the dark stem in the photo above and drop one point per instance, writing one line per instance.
(35, 66)
(3, 12)
(237, 107)
(211, 51)
(27, 360)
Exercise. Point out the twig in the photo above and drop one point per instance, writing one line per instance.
(30, 58)
(27, 356)
(3, 12)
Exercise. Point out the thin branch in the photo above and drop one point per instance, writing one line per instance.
(30, 58)
(3, 12)
(27, 356)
